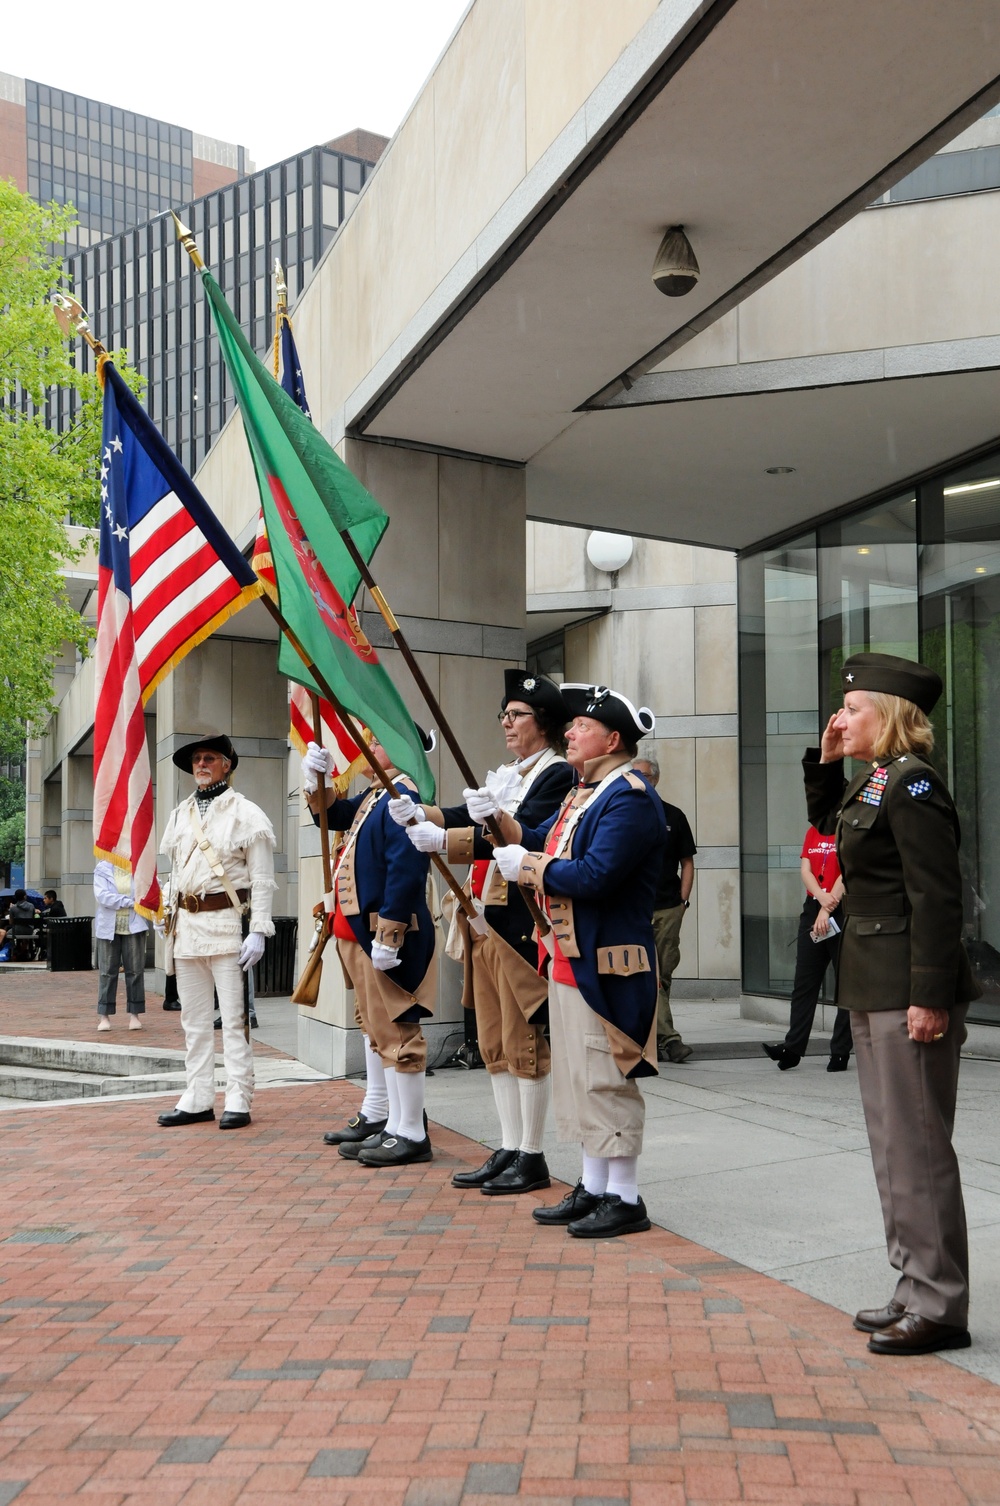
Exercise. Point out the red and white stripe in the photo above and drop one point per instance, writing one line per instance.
(348, 760)
(179, 587)
(123, 785)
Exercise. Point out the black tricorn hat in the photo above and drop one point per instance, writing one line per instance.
(219, 744)
(428, 739)
(535, 691)
(610, 707)
(893, 676)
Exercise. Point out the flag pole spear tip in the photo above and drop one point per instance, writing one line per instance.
(72, 319)
(280, 285)
(187, 241)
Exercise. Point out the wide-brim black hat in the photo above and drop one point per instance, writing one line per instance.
(893, 676)
(610, 707)
(428, 739)
(218, 743)
(535, 691)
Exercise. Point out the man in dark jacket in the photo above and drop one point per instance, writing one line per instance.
(506, 990)
(595, 866)
(385, 936)
(673, 900)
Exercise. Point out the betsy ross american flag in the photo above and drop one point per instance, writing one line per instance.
(168, 575)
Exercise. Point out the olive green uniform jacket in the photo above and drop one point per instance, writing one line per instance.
(897, 842)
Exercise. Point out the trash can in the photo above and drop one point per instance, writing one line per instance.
(70, 946)
(275, 972)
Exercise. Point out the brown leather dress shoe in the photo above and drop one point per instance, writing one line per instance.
(874, 1319)
(913, 1334)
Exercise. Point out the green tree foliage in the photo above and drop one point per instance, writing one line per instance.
(11, 821)
(44, 476)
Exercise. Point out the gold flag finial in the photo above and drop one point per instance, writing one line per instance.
(72, 319)
(187, 241)
(280, 286)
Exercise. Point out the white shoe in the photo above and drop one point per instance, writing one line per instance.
(104, 1023)
(134, 1022)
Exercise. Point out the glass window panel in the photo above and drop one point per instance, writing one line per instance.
(331, 207)
(779, 716)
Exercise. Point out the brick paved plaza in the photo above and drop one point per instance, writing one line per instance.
(204, 1318)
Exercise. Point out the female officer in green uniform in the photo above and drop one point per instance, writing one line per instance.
(906, 979)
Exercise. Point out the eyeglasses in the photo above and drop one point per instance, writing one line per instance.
(512, 716)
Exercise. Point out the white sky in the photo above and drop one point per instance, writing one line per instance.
(226, 70)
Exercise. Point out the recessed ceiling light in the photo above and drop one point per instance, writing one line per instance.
(972, 486)
(980, 569)
(781, 470)
(864, 549)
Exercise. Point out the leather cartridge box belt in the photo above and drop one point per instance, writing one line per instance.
(875, 904)
(195, 904)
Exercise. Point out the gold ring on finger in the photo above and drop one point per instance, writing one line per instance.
(939, 1036)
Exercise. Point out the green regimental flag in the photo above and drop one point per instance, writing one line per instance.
(309, 495)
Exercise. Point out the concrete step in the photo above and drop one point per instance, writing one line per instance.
(83, 1056)
(39, 1085)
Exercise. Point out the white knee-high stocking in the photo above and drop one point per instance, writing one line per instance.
(376, 1100)
(508, 1102)
(534, 1094)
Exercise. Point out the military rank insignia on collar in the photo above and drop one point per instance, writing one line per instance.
(920, 788)
(873, 791)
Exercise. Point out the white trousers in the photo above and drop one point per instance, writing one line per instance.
(196, 977)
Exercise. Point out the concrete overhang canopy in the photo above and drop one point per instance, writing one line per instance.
(762, 126)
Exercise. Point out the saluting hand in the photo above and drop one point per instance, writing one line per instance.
(833, 742)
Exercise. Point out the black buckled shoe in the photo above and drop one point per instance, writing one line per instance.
(526, 1173)
(396, 1150)
(358, 1128)
(874, 1319)
(785, 1059)
(837, 1063)
(175, 1117)
(575, 1204)
(612, 1216)
(351, 1149)
(234, 1119)
(492, 1167)
(912, 1334)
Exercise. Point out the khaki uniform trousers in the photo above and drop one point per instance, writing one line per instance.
(595, 1104)
(506, 989)
(667, 935)
(400, 1043)
(908, 1090)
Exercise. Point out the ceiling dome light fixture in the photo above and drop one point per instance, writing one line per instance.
(780, 470)
(675, 268)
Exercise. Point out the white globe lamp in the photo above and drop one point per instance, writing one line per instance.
(609, 551)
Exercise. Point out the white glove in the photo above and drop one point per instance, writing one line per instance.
(384, 957)
(251, 951)
(426, 837)
(480, 804)
(315, 761)
(509, 860)
(403, 810)
(503, 784)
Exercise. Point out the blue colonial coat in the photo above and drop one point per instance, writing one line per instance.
(387, 879)
(607, 890)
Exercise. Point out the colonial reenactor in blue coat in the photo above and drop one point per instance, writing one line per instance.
(386, 940)
(595, 865)
(906, 980)
(502, 979)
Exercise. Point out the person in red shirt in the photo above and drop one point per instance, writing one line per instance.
(818, 946)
